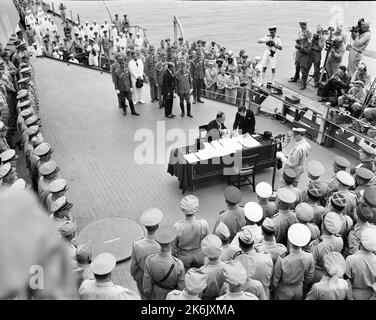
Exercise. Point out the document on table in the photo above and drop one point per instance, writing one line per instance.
(203, 155)
(191, 158)
(231, 145)
(221, 150)
(247, 141)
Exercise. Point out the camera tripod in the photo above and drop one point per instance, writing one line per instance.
(323, 70)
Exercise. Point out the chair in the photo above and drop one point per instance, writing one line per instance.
(242, 174)
(202, 131)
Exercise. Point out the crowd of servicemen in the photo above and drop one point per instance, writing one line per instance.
(313, 242)
(209, 69)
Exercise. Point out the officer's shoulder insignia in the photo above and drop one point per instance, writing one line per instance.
(248, 294)
(222, 211)
(337, 235)
(284, 254)
(275, 215)
(306, 249)
(315, 242)
(175, 292)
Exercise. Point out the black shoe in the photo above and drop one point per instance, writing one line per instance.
(124, 112)
(201, 101)
(323, 100)
(156, 99)
(172, 115)
(194, 101)
(161, 107)
(316, 85)
(303, 87)
(189, 115)
(169, 116)
(152, 100)
(293, 79)
(119, 106)
(135, 113)
(182, 114)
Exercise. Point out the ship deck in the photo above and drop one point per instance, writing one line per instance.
(95, 146)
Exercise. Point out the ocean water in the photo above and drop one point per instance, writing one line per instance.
(234, 24)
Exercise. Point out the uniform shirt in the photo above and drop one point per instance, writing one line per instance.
(256, 233)
(136, 68)
(315, 231)
(190, 232)
(362, 76)
(43, 187)
(294, 269)
(282, 221)
(268, 208)
(93, 290)
(197, 69)
(140, 251)
(321, 246)
(237, 296)
(361, 270)
(318, 212)
(232, 82)
(297, 156)
(215, 281)
(183, 82)
(326, 289)
(211, 75)
(228, 252)
(3, 145)
(181, 295)
(83, 273)
(252, 286)
(361, 42)
(221, 81)
(277, 40)
(272, 247)
(156, 268)
(353, 239)
(234, 219)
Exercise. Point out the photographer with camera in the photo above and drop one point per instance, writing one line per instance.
(336, 51)
(361, 74)
(273, 43)
(318, 43)
(304, 47)
(354, 99)
(303, 28)
(338, 81)
(361, 36)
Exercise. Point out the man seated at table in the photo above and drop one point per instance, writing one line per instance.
(244, 121)
(216, 127)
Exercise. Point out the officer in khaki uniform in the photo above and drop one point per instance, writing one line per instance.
(363, 176)
(295, 271)
(195, 283)
(329, 241)
(285, 217)
(233, 217)
(8, 175)
(339, 163)
(102, 288)
(211, 247)
(3, 141)
(190, 232)
(236, 276)
(331, 285)
(366, 155)
(347, 181)
(49, 172)
(163, 273)
(84, 256)
(61, 212)
(228, 250)
(57, 189)
(143, 248)
(361, 266)
(264, 191)
(288, 177)
(268, 244)
(304, 214)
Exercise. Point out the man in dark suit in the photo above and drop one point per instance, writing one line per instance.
(244, 121)
(168, 86)
(216, 128)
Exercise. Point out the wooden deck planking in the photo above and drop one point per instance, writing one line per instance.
(94, 148)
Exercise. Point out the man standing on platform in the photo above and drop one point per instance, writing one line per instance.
(183, 88)
(168, 87)
(151, 73)
(136, 68)
(244, 121)
(318, 43)
(197, 70)
(160, 67)
(122, 81)
(297, 155)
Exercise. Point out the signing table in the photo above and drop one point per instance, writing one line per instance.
(192, 166)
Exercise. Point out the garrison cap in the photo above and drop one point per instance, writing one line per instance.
(103, 263)
(364, 212)
(246, 236)
(57, 185)
(368, 238)
(23, 80)
(165, 234)
(341, 162)
(32, 131)
(364, 173)
(189, 203)
(211, 246)
(67, 229)
(32, 120)
(151, 217)
(315, 168)
(8, 155)
(43, 149)
(369, 196)
(24, 104)
(299, 130)
(5, 169)
(264, 190)
(22, 94)
(268, 225)
(334, 264)
(314, 189)
(338, 200)
(299, 234)
(196, 280)
(26, 70)
(21, 46)
(286, 195)
(222, 231)
(61, 204)
(26, 112)
(367, 148)
(332, 222)
(289, 175)
(84, 254)
(19, 184)
(48, 168)
(253, 211)
(233, 195)
(37, 140)
(304, 212)
(345, 178)
(235, 273)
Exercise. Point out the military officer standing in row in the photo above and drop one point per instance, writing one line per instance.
(143, 248)
(163, 272)
(366, 155)
(339, 164)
